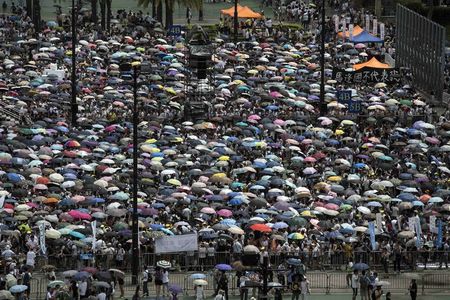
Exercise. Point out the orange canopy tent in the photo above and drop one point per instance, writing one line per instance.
(243, 12)
(356, 30)
(372, 63)
(230, 11)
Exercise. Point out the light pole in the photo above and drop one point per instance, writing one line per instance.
(134, 227)
(323, 104)
(236, 23)
(136, 69)
(73, 102)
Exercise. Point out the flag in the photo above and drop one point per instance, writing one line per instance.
(375, 27)
(350, 31)
(2, 201)
(439, 234)
(382, 31)
(418, 233)
(433, 228)
(379, 220)
(372, 236)
(42, 238)
(94, 234)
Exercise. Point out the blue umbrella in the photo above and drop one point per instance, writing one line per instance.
(360, 266)
(235, 201)
(198, 276)
(224, 267)
(294, 261)
(81, 276)
(156, 226)
(280, 225)
(19, 288)
(374, 204)
(77, 234)
(175, 289)
(14, 177)
(167, 231)
(407, 197)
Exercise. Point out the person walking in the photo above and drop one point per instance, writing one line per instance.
(355, 284)
(145, 280)
(304, 287)
(413, 289)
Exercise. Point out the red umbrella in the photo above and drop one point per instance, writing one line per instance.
(89, 270)
(260, 227)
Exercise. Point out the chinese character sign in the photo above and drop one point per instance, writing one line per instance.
(382, 31)
(367, 75)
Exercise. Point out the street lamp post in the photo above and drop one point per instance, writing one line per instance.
(73, 102)
(236, 23)
(135, 239)
(136, 69)
(323, 105)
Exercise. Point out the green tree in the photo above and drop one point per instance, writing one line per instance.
(169, 7)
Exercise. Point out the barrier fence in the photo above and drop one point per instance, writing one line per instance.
(320, 283)
(195, 261)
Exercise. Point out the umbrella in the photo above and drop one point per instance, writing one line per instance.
(164, 264)
(200, 282)
(260, 227)
(223, 267)
(198, 276)
(18, 288)
(360, 266)
(56, 283)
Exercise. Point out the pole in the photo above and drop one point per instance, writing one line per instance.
(135, 239)
(73, 103)
(323, 104)
(236, 23)
(265, 274)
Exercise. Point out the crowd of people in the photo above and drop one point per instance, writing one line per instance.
(263, 170)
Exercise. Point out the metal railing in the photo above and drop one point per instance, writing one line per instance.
(320, 283)
(196, 261)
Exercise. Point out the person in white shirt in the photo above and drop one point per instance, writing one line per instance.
(101, 295)
(355, 284)
(165, 282)
(82, 288)
(31, 258)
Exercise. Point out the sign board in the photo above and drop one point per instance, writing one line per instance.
(59, 73)
(343, 96)
(176, 243)
(86, 256)
(367, 75)
(354, 107)
(174, 30)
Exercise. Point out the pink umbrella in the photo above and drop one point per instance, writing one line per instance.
(254, 117)
(110, 128)
(319, 204)
(79, 215)
(32, 205)
(332, 206)
(310, 159)
(307, 141)
(432, 140)
(225, 213)
(275, 94)
(208, 210)
(279, 122)
(326, 122)
(78, 198)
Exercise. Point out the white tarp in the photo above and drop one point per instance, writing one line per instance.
(176, 243)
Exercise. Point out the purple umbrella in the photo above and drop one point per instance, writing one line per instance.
(224, 267)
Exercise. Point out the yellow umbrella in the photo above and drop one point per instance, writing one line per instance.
(347, 122)
(151, 141)
(306, 213)
(175, 182)
(219, 175)
(339, 132)
(224, 158)
(335, 178)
